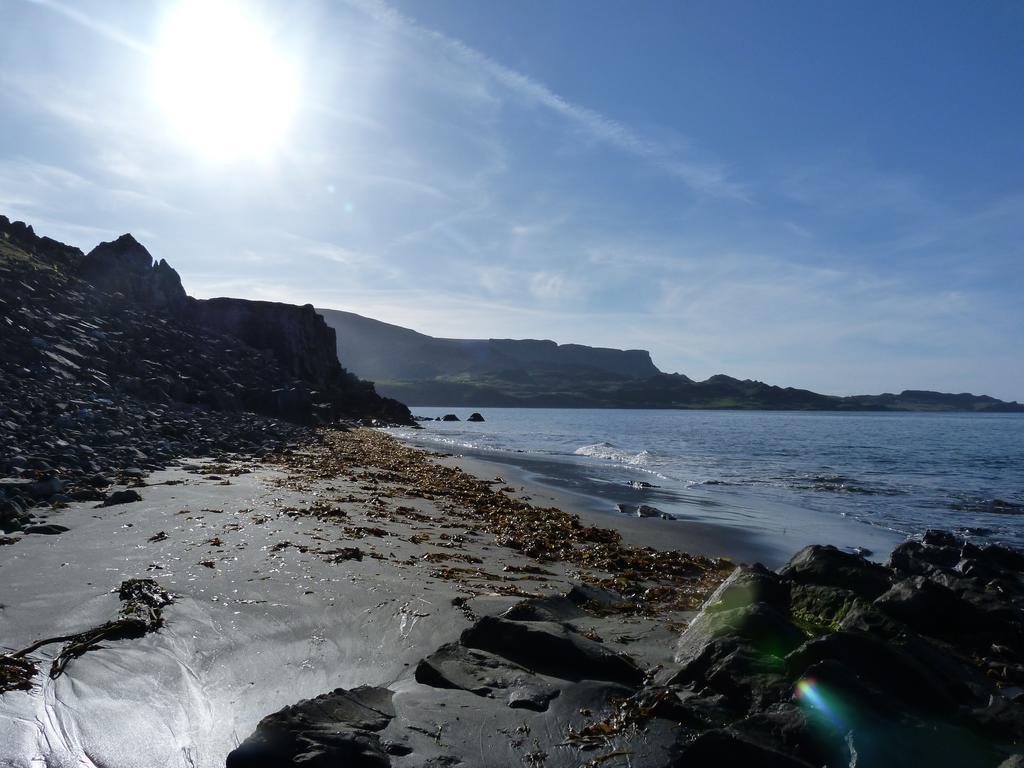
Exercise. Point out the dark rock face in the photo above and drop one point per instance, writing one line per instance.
(338, 728)
(124, 266)
(298, 337)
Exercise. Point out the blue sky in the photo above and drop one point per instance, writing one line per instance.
(824, 195)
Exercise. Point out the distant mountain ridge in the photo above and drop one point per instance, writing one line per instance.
(391, 352)
(422, 370)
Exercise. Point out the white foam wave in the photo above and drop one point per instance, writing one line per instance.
(609, 452)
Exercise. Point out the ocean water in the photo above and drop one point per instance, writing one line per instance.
(844, 478)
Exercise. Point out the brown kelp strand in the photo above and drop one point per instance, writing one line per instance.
(142, 604)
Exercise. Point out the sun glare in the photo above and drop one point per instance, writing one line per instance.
(227, 90)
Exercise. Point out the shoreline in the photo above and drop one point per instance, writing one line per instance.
(356, 601)
(692, 537)
(746, 538)
(339, 564)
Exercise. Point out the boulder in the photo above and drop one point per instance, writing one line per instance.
(475, 417)
(831, 567)
(592, 596)
(747, 585)
(47, 529)
(764, 628)
(879, 730)
(933, 609)
(553, 608)
(802, 731)
(337, 728)
(746, 678)
(485, 674)
(450, 417)
(551, 649)
(44, 489)
(916, 558)
(125, 496)
(646, 510)
(887, 668)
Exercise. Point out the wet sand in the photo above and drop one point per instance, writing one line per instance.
(695, 537)
(751, 529)
(291, 579)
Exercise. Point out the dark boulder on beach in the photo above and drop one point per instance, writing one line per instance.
(550, 648)
(46, 529)
(829, 566)
(126, 496)
(485, 674)
(338, 728)
(932, 662)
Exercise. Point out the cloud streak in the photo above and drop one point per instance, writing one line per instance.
(99, 26)
(703, 177)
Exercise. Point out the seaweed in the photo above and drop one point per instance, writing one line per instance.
(656, 580)
(143, 601)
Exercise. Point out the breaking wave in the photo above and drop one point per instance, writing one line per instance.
(609, 452)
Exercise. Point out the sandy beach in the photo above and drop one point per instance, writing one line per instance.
(338, 566)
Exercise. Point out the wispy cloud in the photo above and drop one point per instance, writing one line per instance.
(93, 24)
(704, 177)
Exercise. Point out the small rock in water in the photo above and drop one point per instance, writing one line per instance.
(645, 510)
(475, 417)
(450, 417)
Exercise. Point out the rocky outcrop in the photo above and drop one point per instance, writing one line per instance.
(297, 337)
(832, 661)
(104, 368)
(125, 267)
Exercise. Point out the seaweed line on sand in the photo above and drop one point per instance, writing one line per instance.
(653, 580)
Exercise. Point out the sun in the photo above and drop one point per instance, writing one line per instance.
(224, 85)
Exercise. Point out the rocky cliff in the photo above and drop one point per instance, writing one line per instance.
(298, 337)
(115, 322)
(107, 365)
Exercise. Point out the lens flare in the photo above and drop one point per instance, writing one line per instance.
(809, 693)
